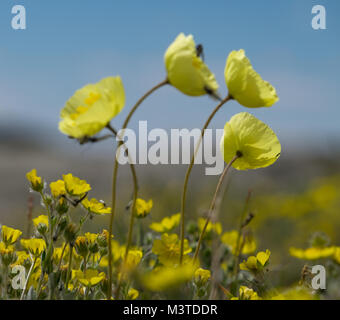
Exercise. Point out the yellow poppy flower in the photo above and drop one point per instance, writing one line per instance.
(74, 186)
(168, 249)
(252, 140)
(57, 188)
(256, 263)
(202, 275)
(216, 227)
(230, 239)
(10, 235)
(34, 246)
(164, 278)
(312, 253)
(143, 207)
(36, 182)
(167, 223)
(245, 84)
(92, 108)
(95, 206)
(89, 278)
(186, 70)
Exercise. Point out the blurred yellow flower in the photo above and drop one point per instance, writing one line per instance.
(22, 257)
(89, 278)
(75, 186)
(34, 246)
(164, 278)
(246, 294)
(216, 227)
(133, 258)
(92, 108)
(167, 223)
(245, 84)
(336, 255)
(252, 140)
(186, 70)
(168, 249)
(143, 207)
(256, 263)
(42, 219)
(95, 206)
(312, 253)
(36, 182)
(295, 293)
(57, 188)
(230, 239)
(202, 275)
(10, 235)
(132, 294)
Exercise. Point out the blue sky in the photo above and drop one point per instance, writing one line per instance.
(69, 43)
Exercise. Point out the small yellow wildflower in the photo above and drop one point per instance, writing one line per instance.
(230, 239)
(92, 108)
(247, 294)
(134, 257)
(42, 219)
(81, 246)
(34, 246)
(312, 253)
(58, 188)
(167, 223)
(168, 249)
(89, 278)
(10, 235)
(252, 140)
(143, 207)
(294, 293)
(256, 263)
(132, 294)
(75, 186)
(245, 84)
(36, 182)
(95, 206)
(216, 227)
(186, 70)
(202, 275)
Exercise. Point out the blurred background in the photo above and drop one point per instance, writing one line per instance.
(68, 44)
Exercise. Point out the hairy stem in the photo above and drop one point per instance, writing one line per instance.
(212, 204)
(114, 180)
(187, 175)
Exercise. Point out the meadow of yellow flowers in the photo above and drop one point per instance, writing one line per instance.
(175, 258)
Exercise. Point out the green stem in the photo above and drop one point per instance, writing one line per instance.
(187, 175)
(28, 278)
(212, 205)
(69, 267)
(114, 179)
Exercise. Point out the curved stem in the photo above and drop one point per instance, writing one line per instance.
(212, 205)
(114, 179)
(187, 175)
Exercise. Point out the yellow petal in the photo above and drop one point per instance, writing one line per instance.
(249, 136)
(245, 84)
